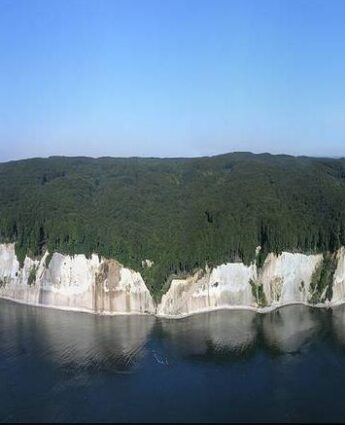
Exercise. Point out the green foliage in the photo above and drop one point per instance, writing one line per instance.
(32, 275)
(258, 293)
(180, 213)
(302, 286)
(48, 259)
(261, 257)
(322, 280)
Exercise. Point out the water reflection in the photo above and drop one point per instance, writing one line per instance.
(338, 325)
(220, 333)
(239, 333)
(82, 342)
(291, 328)
(77, 341)
(73, 367)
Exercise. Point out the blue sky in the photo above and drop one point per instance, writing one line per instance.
(171, 78)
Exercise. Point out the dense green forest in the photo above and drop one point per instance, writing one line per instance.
(180, 213)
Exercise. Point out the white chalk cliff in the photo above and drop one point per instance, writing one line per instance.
(283, 279)
(226, 285)
(73, 283)
(104, 286)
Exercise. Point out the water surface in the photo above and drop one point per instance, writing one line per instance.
(287, 365)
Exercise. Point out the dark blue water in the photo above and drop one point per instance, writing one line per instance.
(288, 365)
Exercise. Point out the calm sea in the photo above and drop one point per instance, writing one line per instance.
(288, 365)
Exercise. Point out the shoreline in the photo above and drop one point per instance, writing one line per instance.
(260, 310)
(75, 310)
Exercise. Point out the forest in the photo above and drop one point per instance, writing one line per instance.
(180, 213)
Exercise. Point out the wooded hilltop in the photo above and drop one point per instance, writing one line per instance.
(180, 213)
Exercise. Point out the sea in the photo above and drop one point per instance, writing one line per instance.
(234, 365)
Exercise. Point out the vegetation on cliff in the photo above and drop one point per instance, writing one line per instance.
(321, 284)
(179, 213)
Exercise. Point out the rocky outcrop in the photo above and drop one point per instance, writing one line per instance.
(339, 278)
(226, 285)
(104, 286)
(286, 278)
(283, 279)
(73, 283)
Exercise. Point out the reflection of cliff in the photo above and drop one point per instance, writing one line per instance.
(338, 324)
(104, 343)
(80, 341)
(288, 329)
(217, 332)
(90, 343)
(237, 333)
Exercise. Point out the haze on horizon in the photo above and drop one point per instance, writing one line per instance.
(171, 79)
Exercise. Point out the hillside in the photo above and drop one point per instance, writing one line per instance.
(179, 213)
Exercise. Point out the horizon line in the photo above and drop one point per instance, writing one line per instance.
(171, 157)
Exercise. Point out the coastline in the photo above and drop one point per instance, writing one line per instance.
(75, 310)
(259, 310)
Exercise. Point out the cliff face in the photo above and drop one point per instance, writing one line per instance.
(105, 286)
(286, 278)
(283, 279)
(225, 285)
(339, 278)
(74, 283)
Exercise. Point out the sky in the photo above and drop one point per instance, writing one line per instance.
(171, 78)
